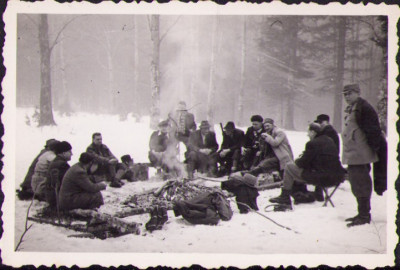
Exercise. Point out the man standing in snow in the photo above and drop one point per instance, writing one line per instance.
(276, 149)
(26, 192)
(183, 122)
(251, 145)
(231, 148)
(77, 190)
(202, 151)
(57, 168)
(362, 139)
(318, 165)
(104, 160)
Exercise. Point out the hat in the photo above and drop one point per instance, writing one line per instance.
(269, 121)
(181, 106)
(126, 158)
(256, 118)
(204, 124)
(321, 118)
(351, 87)
(86, 158)
(50, 144)
(229, 126)
(315, 127)
(164, 123)
(62, 147)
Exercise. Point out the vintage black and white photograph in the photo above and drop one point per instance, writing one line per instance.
(240, 134)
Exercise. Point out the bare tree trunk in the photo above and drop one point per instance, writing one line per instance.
(155, 70)
(65, 106)
(195, 58)
(292, 38)
(337, 118)
(46, 108)
(242, 71)
(136, 108)
(354, 62)
(211, 86)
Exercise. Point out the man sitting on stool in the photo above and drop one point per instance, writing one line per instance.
(318, 165)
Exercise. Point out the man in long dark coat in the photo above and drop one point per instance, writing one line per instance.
(202, 151)
(318, 165)
(231, 148)
(77, 190)
(363, 144)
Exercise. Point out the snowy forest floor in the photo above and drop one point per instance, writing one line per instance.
(320, 229)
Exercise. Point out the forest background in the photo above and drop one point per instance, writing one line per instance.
(226, 68)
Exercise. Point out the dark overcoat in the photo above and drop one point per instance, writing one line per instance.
(320, 162)
(196, 141)
(77, 191)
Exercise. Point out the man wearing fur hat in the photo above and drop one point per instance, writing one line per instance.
(104, 161)
(57, 168)
(251, 145)
(318, 165)
(362, 143)
(202, 151)
(163, 151)
(231, 148)
(77, 190)
(26, 192)
(276, 149)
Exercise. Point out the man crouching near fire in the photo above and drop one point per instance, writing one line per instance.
(163, 151)
(318, 165)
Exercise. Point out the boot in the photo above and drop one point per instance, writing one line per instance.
(151, 225)
(284, 198)
(364, 216)
(162, 217)
(351, 219)
(318, 194)
(115, 184)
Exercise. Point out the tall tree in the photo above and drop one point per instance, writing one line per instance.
(46, 108)
(242, 73)
(341, 44)
(65, 105)
(155, 70)
(211, 85)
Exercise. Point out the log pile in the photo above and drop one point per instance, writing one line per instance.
(90, 223)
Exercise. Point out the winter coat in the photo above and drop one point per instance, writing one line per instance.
(329, 131)
(77, 191)
(244, 193)
(57, 169)
(161, 142)
(358, 145)
(281, 147)
(188, 125)
(196, 141)
(233, 142)
(28, 178)
(40, 175)
(252, 138)
(320, 162)
(380, 168)
(207, 208)
(100, 153)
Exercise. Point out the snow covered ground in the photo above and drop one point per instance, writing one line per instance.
(321, 230)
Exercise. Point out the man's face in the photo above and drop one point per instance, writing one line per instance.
(67, 155)
(256, 125)
(351, 97)
(204, 130)
(229, 132)
(98, 140)
(268, 126)
(311, 134)
(164, 129)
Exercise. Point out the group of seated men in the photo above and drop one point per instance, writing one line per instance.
(51, 178)
(263, 148)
